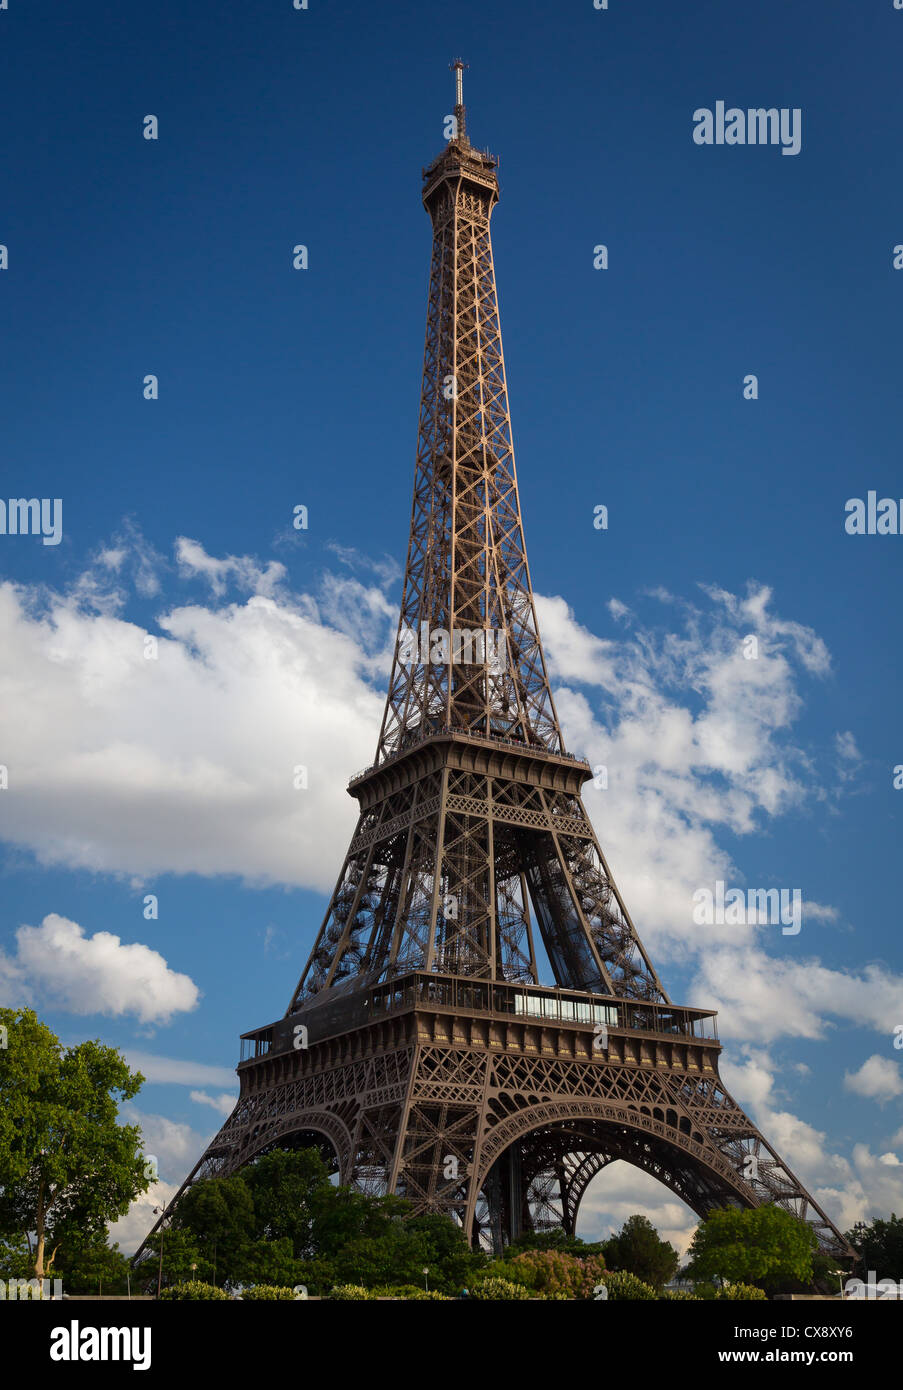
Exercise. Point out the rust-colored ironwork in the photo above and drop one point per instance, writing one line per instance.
(420, 1048)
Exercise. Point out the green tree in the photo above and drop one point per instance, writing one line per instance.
(15, 1258)
(218, 1214)
(184, 1260)
(763, 1246)
(341, 1215)
(638, 1249)
(91, 1267)
(284, 1186)
(445, 1250)
(880, 1248)
(66, 1166)
(281, 1220)
(268, 1262)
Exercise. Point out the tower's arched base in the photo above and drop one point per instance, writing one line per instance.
(500, 1119)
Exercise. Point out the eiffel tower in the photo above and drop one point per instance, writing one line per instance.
(420, 1051)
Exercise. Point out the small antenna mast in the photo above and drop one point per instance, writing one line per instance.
(457, 67)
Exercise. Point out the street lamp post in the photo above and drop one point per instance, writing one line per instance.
(159, 1212)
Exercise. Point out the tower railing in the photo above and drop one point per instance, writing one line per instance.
(521, 1002)
(491, 740)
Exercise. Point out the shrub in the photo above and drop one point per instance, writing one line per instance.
(193, 1288)
(737, 1291)
(348, 1291)
(409, 1291)
(547, 1272)
(622, 1285)
(494, 1287)
(269, 1292)
(679, 1296)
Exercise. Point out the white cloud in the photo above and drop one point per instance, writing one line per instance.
(874, 1189)
(878, 1078)
(97, 974)
(176, 1146)
(849, 758)
(761, 997)
(240, 570)
(223, 1104)
(186, 763)
(129, 1231)
(847, 749)
(129, 558)
(696, 740)
(386, 568)
(176, 1071)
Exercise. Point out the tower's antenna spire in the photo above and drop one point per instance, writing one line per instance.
(457, 67)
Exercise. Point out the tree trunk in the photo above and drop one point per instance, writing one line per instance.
(39, 1233)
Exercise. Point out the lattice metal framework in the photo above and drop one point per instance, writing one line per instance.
(472, 809)
(424, 1073)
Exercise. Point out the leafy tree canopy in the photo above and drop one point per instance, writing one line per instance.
(763, 1246)
(282, 1221)
(66, 1166)
(880, 1247)
(638, 1249)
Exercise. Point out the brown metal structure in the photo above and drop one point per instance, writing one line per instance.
(420, 1048)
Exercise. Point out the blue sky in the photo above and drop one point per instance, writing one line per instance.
(279, 387)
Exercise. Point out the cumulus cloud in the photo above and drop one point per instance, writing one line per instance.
(761, 997)
(878, 1078)
(98, 974)
(183, 758)
(129, 1231)
(223, 1104)
(239, 570)
(177, 1071)
(696, 739)
(193, 761)
(189, 762)
(176, 1146)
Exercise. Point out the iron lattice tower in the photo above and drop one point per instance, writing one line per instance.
(420, 1049)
